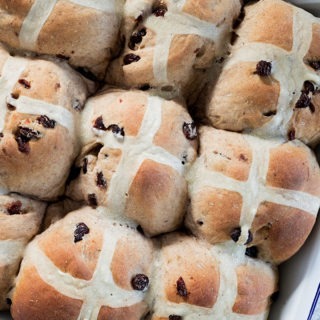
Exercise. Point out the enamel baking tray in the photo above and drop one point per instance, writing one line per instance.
(299, 296)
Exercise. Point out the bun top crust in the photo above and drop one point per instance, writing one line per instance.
(137, 149)
(281, 102)
(49, 29)
(220, 283)
(40, 106)
(86, 263)
(169, 44)
(263, 193)
(20, 220)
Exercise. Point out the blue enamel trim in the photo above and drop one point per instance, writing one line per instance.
(314, 304)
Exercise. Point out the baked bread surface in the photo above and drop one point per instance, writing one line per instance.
(84, 32)
(284, 102)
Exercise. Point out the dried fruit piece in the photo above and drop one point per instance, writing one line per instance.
(25, 83)
(11, 107)
(28, 133)
(304, 101)
(81, 230)
(308, 87)
(263, 68)
(292, 134)
(190, 130)
(314, 64)
(98, 124)
(46, 122)
(136, 38)
(85, 166)
(101, 181)
(140, 282)
(23, 136)
(181, 288)
(250, 238)
(14, 208)
(252, 252)
(160, 10)
(130, 58)
(235, 234)
(116, 130)
(92, 200)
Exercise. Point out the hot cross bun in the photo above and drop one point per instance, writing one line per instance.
(170, 44)
(40, 102)
(195, 280)
(269, 84)
(261, 193)
(84, 267)
(137, 149)
(83, 32)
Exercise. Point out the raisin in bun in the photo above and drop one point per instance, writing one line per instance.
(40, 102)
(193, 280)
(269, 83)
(261, 193)
(20, 220)
(169, 44)
(85, 33)
(84, 267)
(137, 149)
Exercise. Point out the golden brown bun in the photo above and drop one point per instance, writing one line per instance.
(195, 280)
(40, 106)
(82, 32)
(20, 220)
(70, 271)
(262, 193)
(139, 171)
(171, 43)
(281, 100)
